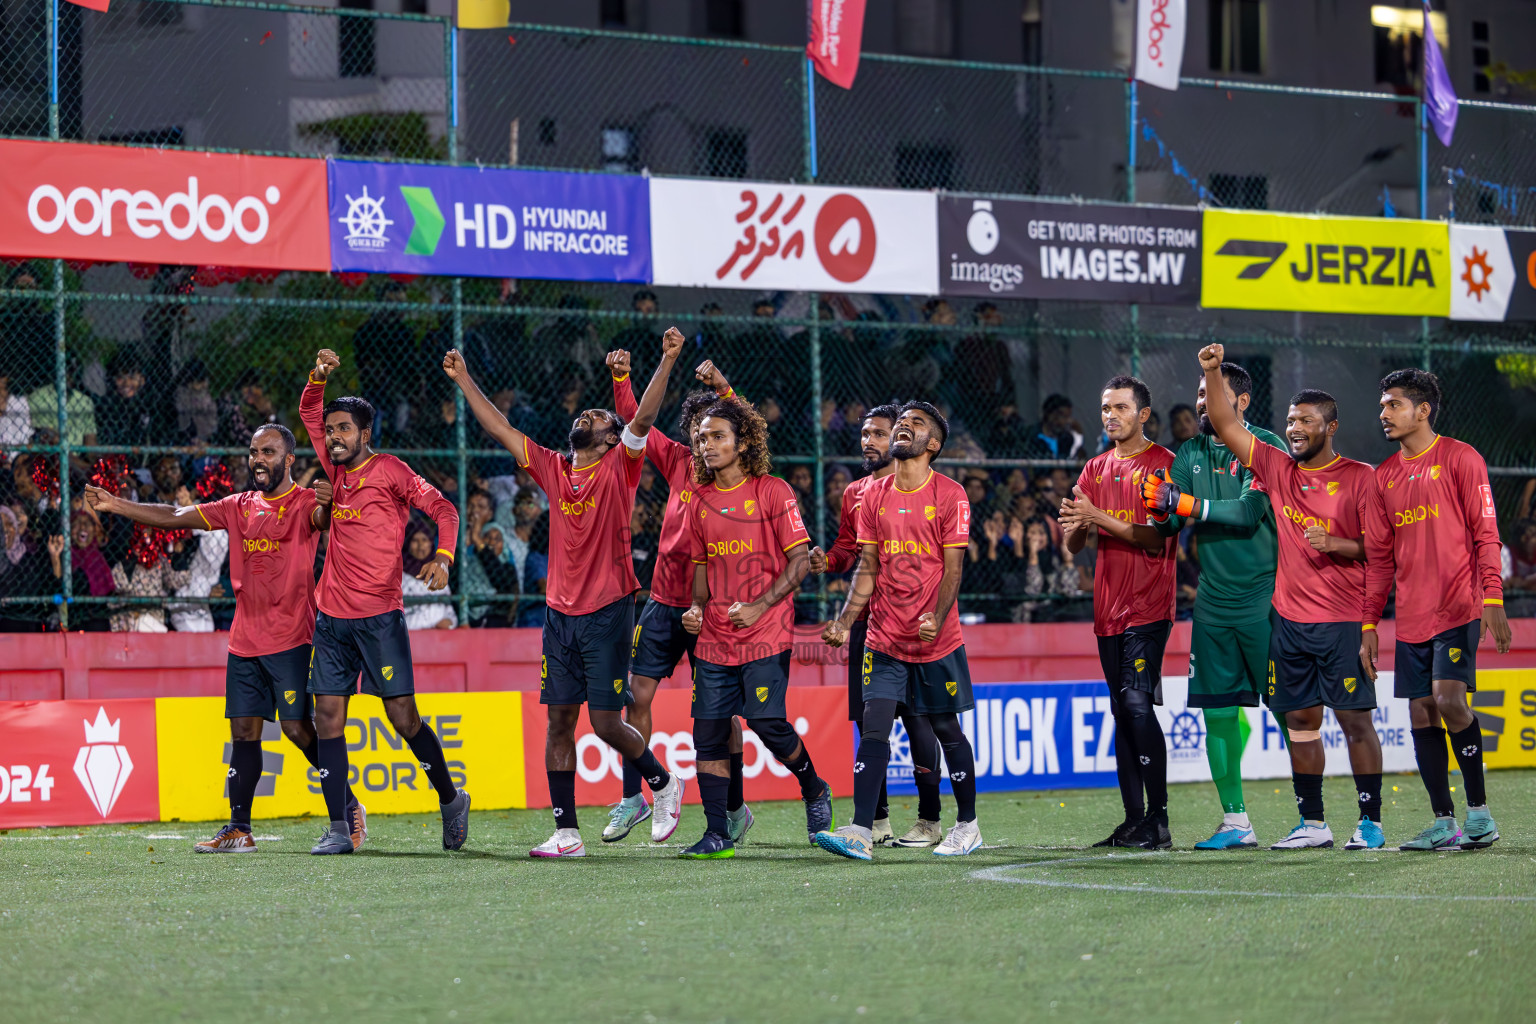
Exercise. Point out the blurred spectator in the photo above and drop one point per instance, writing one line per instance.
(834, 482)
(133, 578)
(983, 366)
(1153, 428)
(917, 365)
(23, 570)
(384, 343)
(643, 336)
(419, 548)
(988, 562)
(802, 480)
(1523, 507)
(164, 344)
(168, 477)
(568, 347)
(197, 414)
(15, 415)
(247, 408)
(488, 572)
(978, 491)
(26, 333)
(1054, 437)
(43, 403)
(207, 565)
(1183, 423)
(496, 344)
(1009, 436)
(89, 573)
(522, 551)
(1187, 575)
(128, 416)
(1046, 569)
(1519, 559)
(747, 358)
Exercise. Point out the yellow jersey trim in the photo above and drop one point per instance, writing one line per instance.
(205, 518)
(1319, 469)
(1125, 458)
(365, 462)
(1426, 451)
(802, 540)
(728, 490)
(445, 551)
(524, 462)
(914, 490)
(621, 380)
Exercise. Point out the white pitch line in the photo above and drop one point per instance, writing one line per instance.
(997, 874)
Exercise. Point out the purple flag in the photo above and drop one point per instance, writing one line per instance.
(1439, 94)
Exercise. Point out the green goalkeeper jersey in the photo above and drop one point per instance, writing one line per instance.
(1237, 554)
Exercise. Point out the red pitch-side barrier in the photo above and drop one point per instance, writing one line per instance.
(108, 666)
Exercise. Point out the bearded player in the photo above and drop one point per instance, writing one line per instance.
(272, 570)
(1209, 490)
(660, 640)
(1320, 501)
(914, 528)
(589, 613)
(1434, 523)
(361, 619)
(750, 552)
(1133, 604)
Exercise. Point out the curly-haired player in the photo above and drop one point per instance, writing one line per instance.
(750, 552)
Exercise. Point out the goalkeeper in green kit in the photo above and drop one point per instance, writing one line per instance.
(1229, 644)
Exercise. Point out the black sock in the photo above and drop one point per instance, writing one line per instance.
(651, 771)
(562, 797)
(1309, 795)
(924, 746)
(1369, 788)
(962, 777)
(1434, 769)
(882, 804)
(869, 765)
(312, 755)
(714, 790)
(1152, 757)
(735, 797)
(1128, 768)
(805, 772)
(244, 774)
(631, 781)
(332, 756)
(1468, 744)
(430, 753)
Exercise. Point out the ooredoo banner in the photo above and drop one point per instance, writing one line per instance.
(78, 762)
(717, 234)
(1025, 249)
(1493, 273)
(108, 203)
(419, 219)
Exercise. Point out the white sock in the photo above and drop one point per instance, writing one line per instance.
(1240, 819)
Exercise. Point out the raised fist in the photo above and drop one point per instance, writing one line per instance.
(672, 343)
(618, 362)
(1211, 356)
(325, 362)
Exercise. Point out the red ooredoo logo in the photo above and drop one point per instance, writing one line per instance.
(845, 238)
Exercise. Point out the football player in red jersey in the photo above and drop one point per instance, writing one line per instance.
(589, 609)
(1320, 500)
(660, 639)
(360, 620)
(1434, 527)
(271, 566)
(750, 552)
(914, 528)
(1133, 603)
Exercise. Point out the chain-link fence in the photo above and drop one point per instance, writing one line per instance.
(162, 372)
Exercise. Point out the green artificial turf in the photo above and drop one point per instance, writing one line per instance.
(122, 923)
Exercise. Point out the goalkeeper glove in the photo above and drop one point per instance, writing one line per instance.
(1162, 497)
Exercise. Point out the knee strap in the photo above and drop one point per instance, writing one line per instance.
(1306, 735)
(1138, 703)
(879, 716)
(777, 735)
(712, 739)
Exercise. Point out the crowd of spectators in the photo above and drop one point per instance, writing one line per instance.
(540, 375)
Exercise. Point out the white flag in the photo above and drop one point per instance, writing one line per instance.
(1160, 28)
(1482, 273)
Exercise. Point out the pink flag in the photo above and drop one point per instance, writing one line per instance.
(837, 26)
(95, 5)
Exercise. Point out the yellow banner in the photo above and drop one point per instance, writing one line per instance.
(1505, 703)
(481, 733)
(1325, 264)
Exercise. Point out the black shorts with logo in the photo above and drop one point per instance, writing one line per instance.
(270, 686)
(1448, 655)
(1134, 659)
(378, 645)
(857, 666)
(660, 641)
(586, 657)
(923, 687)
(1312, 663)
(753, 690)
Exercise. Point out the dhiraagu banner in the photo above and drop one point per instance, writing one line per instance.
(1325, 264)
(481, 733)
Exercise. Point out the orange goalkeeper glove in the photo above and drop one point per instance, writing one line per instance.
(1162, 497)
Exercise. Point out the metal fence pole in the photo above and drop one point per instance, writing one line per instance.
(1130, 197)
(818, 487)
(61, 391)
(461, 459)
(1421, 123)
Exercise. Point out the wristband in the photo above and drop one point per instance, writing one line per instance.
(1493, 601)
(1368, 625)
(312, 378)
(727, 393)
(1186, 506)
(634, 442)
(445, 551)
(621, 380)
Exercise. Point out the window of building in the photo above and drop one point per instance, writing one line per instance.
(1237, 36)
(1481, 58)
(1034, 37)
(619, 149)
(724, 153)
(723, 18)
(613, 14)
(926, 28)
(355, 56)
(1240, 191)
(1399, 44)
(413, 6)
(925, 166)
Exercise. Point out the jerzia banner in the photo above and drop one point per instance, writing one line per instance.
(1024, 249)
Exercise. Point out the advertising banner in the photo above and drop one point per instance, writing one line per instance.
(1505, 703)
(1325, 264)
(818, 713)
(464, 221)
(77, 762)
(1024, 249)
(1493, 273)
(718, 234)
(1062, 736)
(480, 733)
(109, 203)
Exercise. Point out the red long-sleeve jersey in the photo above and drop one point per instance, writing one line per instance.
(1433, 527)
(369, 512)
(672, 583)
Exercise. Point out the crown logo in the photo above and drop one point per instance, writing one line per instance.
(101, 730)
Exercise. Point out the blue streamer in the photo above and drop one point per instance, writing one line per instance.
(1179, 170)
(1387, 209)
(1509, 195)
